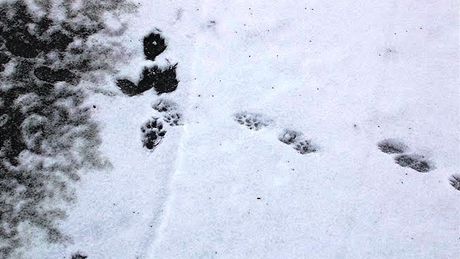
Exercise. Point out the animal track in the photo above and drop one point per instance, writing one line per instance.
(152, 133)
(391, 146)
(253, 121)
(169, 111)
(79, 256)
(455, 181)
(289, 136)
(305, 147)
(414, 161)
(154, 45)
(164, 105)
(173, 119)
(295, 139)
(257, 121)
(163, 80)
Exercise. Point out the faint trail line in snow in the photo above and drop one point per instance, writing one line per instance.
(158, 222)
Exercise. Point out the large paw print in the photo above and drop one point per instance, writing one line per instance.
(152, 133)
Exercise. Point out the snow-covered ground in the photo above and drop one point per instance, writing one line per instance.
(347, 74)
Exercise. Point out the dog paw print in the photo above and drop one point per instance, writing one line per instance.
(253, 121)
(454, 180)
(152, 133)
(297, 141)
(416, 162)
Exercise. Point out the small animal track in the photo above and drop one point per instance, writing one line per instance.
(414, 161)
(152, 133)
(391, 146)
(305, 147)
(293, 138)
(296, 140)
(79, 256)
(289, 136)
(173, 119)
(455, 181)
(253, 121)
(164, 105)
(169, 111)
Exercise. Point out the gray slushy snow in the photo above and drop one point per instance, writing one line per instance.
(346, 75)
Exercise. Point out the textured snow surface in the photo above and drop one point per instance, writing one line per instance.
(325, 88)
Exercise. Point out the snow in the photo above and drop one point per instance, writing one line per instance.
(347, 74)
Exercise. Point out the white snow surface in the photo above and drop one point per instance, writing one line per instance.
(347, 74)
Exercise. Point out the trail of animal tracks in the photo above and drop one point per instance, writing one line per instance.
(252, 129)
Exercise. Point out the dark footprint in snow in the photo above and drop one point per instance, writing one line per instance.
(415, 161)
(152, 133)
(253, 121)
(392, 146)
(154, 45)
(79, 256)
(305, 147)
(296, 140)
(163, 80)
(455, 181)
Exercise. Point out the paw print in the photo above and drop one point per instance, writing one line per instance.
(169, 111)
(253, 121)
(173, 119)
(152, 133)
(391, 146)
(455, 181)
(414, 161)
(296, 140)
(164, 105)
(305, 147)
